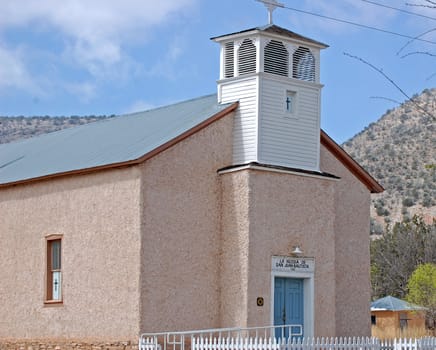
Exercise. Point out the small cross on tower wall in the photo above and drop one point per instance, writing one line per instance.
(271, 5)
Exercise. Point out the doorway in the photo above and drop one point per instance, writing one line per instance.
(289, 306)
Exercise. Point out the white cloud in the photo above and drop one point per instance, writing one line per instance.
(94, 34)
(85, 91)
(139, 106)
(167, 66)
(90, 21)
(13, 73)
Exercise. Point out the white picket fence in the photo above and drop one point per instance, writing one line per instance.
(285, 344)
(427, 343)
(200, 343)
(264, 338)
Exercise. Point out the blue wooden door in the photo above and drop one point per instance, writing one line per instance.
(288, 305)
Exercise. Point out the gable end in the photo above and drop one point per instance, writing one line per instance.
(356, 169)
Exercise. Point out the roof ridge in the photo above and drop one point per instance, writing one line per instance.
(111, 119)
(170, 105)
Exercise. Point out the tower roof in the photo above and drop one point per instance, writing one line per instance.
(272, 29)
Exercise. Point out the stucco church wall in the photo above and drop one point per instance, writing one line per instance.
(234, 257)
(288, 210)
(98, 217)
(353, 291)
(181, 225)
(267, 214)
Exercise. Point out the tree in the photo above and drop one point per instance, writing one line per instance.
(422, 291)
(398, 252)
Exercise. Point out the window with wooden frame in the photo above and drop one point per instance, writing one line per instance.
(54, 269)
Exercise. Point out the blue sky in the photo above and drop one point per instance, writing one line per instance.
(93, 57)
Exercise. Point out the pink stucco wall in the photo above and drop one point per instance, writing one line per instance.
(289, 210)
(234, 262)
(98, 216)
(266, 213)
(352, 260)
(181, 220)
(283, 210)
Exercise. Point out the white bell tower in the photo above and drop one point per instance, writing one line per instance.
(274, 74)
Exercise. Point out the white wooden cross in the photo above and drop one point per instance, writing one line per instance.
(271, 5)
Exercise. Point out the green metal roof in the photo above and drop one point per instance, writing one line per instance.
(111, 141)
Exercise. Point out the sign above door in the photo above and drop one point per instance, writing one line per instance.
(292, 264)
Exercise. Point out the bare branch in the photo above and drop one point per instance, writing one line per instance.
(380, 71)
(417, 5)
(431, 77)
(431, 2)
(422, 53)
(419, 53)
(415, 38)
(398, 9)
(387, 99)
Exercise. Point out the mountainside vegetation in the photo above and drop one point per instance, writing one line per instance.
(15, 128)
(399, 151)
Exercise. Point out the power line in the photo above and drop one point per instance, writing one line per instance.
(359, 25)
(410, 41)
(400, 10)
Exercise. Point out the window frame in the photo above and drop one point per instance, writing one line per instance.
(403, 320)
(247, 57)
(293, 95)
(304, 64)
(276, 58)
(229, 59)
(48, 295)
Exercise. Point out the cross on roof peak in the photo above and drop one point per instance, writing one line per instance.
(271, 5)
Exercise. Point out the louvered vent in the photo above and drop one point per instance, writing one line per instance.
(303, 66)
(247, 57)
(276, 58)
(229, 60)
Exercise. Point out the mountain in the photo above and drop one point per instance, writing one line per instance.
(399, 150)
(14, 128)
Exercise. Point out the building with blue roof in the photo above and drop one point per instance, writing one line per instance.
(395, 318)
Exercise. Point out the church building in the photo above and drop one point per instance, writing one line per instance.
(228, 210)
